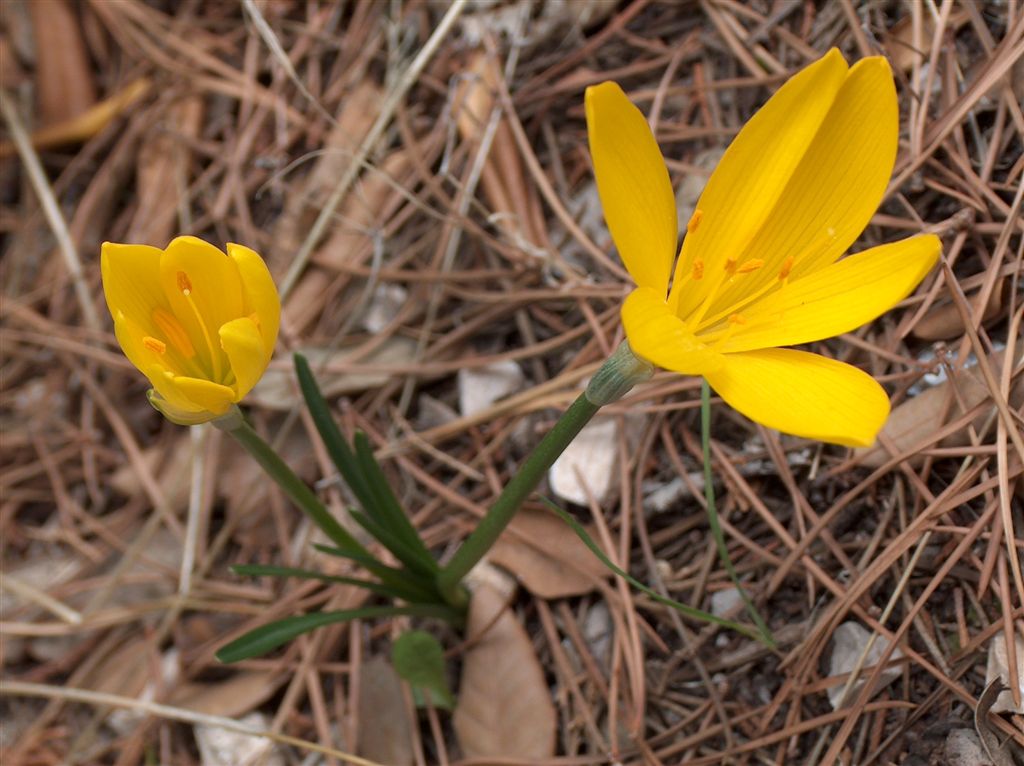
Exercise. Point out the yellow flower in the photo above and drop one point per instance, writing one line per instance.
(759, 263)
(201, 325)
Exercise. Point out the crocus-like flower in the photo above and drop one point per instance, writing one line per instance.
(759, 266)
(201, 325)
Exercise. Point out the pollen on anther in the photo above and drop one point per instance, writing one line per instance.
(697, 273)
(694, 221)
(787, 266)
(730, 266)
(155, 345)
(736, 319)
(184, 284)
(748, 266)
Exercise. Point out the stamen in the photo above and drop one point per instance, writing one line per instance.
(697, 273)
(184, 284)
(174, 332)
(787, 266)
(748, 266)
(694, 222)
(736, 319)
(157, 346)
(730, 266)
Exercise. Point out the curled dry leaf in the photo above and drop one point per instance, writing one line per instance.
(900, 39)
(385, 726)
(504, 706)
(546, 556)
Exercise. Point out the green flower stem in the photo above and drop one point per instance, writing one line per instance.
(296, 489)
(616, 376)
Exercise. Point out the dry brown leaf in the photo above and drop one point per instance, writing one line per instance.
(900, 40)
(504, 708)
(918, 418)
(364, 209)
(63, 72)
(359, 110)
(232, 698)
(277, 390)
(161, 173)
(385, 728)
(547, 557)
(945, 322)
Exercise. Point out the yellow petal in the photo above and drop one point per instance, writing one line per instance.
(206, 394)
(242, 342)
(633, 183)
(660, 337)
(182, 417)
(154, 366)
(803, 394)
(837, 186)
(203, 287)
(754, 170)
(131, 281)
(259, 293)
(837, 298)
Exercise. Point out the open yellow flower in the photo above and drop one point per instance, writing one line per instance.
(199, 323)
(759, 263)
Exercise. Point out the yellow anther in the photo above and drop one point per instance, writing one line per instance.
(184, 284)
(157, 346)
(694, 221)
(174, 332)
(730, 266)
(787, 266)
(736, 319)
(748, 266)
(697, 273)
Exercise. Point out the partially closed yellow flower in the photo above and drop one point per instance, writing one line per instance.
(759, 263)
(199, 323)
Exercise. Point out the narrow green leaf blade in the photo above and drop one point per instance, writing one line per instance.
(272, 635)
(689, 611)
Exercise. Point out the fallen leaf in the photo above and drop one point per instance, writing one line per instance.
(992, 740)
(504, 708)
(278, 389)
(231, 698)
(997, 668)
(899, 42)
(945, 322)
(385, 727)
(918, 418)
(63, 73)
(161, 175)
(546, 556)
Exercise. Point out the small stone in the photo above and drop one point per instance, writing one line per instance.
(219, 747)
(724, 601)
(481, 387)
(849, 640)
(587, 468)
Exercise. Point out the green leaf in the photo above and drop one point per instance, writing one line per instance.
(268, 570)
(689, 611)
(396, 545)
(272, 635)
(365, 478)
(419, 659)
(414, 584)
(389, 511)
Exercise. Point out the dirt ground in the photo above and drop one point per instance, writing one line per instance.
(416, 174)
